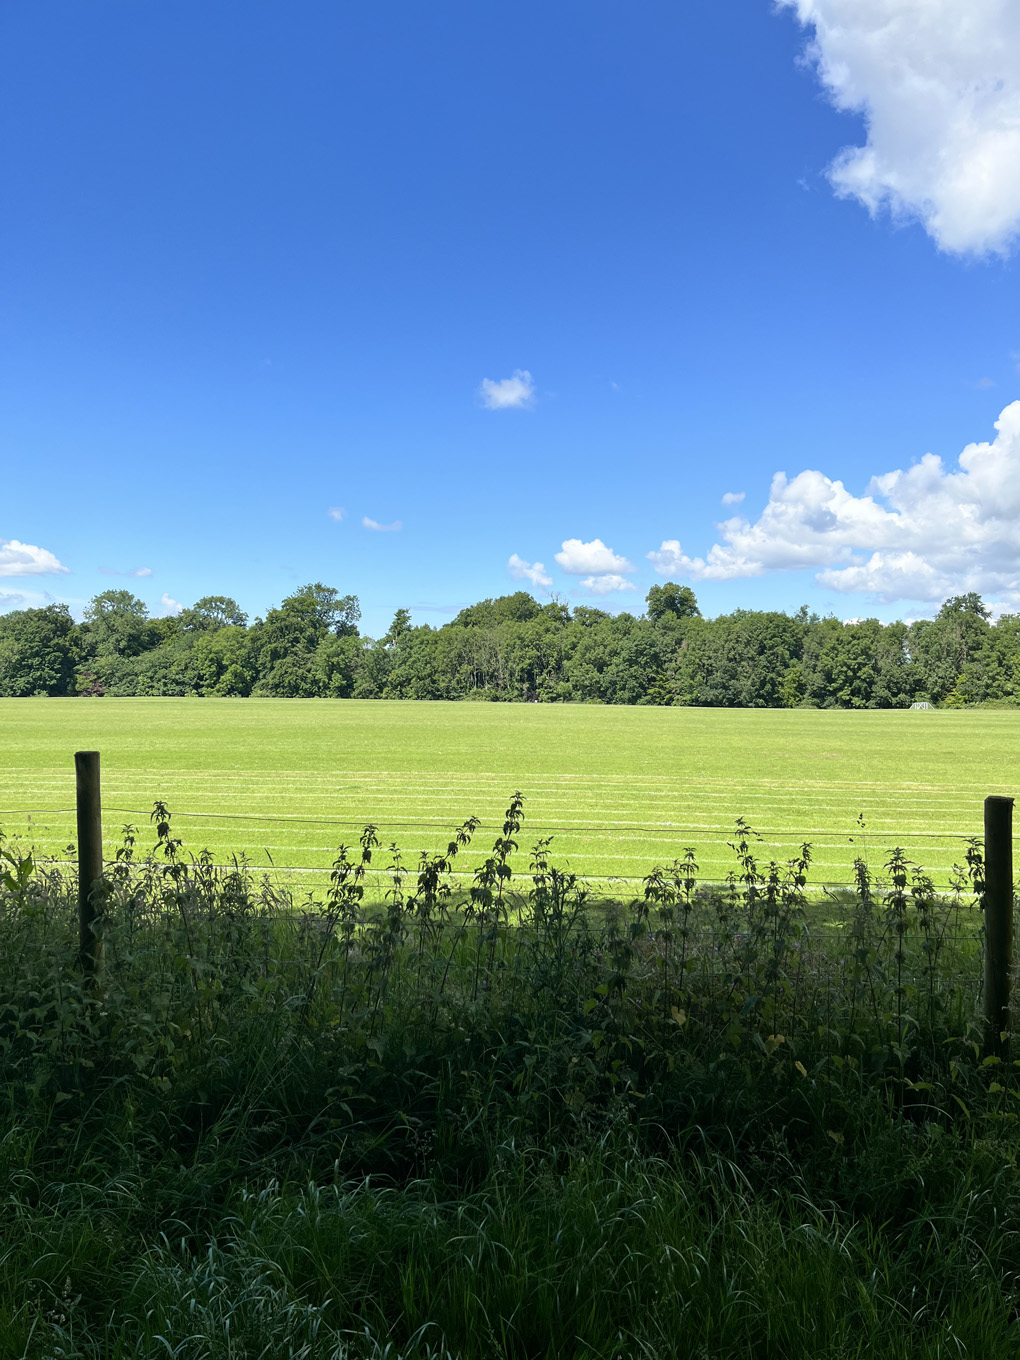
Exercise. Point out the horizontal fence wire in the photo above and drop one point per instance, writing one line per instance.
(830, 902)
(712, 838)
(798, 834)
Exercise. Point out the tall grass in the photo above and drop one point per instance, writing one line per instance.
(512, 1121)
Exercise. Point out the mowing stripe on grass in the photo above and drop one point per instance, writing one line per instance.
(618, 789)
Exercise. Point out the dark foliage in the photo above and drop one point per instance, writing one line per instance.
(514, 649)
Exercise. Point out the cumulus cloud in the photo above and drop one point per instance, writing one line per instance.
(23, 559)
(378, 528)
(528, 571)
(170, 605)
(336, 512)
(938, 84)
(605, 585)
(669, 559)
(733, 497)
(507, 393)
(919, 534)
(577, 558)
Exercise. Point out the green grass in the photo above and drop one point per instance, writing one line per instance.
(619, 788)
(689, 1129)
(693, 1127)
(608, 1257)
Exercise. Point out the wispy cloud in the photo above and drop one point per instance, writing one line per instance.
(336, 512)
(733, 497)
(24, 559)
(507, 393)
(938, 85)
(534, 572)
(378, 528)
(138, 571)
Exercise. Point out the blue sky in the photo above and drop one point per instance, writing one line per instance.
(524, 291)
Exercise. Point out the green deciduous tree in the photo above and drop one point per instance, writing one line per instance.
(286, 641)
(38, 652)
(117, 624)
(513, 649)
(515, 608)
(671, 601)
(210, 613)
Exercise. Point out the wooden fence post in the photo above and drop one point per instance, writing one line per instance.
(90, 860)
(998, 906)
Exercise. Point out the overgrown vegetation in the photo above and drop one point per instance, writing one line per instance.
(514, 649)
(501, 1122)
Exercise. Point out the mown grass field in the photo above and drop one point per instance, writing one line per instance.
(618, 789)
(681, 1128)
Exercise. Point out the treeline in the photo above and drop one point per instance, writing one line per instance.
(515, 649)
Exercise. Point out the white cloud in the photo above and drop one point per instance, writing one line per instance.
(22, 559)
(170, 605)
(892, 575)
(138, 571)
(594, 557)
(919, 534)
(733, 497)
(517, 391)
(336, 512)
(938, 84)
(670, 559)
(605, 585)
(528, 571)
(378, 528)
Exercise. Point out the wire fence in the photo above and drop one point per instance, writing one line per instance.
(830, 901)
(601, 851)
(548, 828)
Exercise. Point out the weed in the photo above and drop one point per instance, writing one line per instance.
(511, 1121)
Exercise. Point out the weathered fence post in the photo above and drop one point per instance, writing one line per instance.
(90, 860)
(998, 906)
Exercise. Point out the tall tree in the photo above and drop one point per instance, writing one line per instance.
(212, 612)
(289, 636)
(117, 624)
(671, 601)
(515, 608)
(38, 652)
(942, 648)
